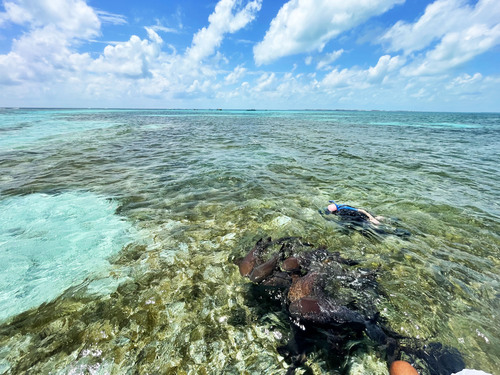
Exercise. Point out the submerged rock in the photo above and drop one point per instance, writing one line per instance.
(331, 302)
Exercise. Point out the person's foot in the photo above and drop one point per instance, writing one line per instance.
(402, 368)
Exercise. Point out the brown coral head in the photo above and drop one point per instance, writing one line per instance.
(290, 264)
(302, 287)
(304, 307)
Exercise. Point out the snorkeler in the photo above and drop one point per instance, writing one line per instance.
(351, 213)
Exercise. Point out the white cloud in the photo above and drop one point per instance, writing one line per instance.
(362, 78)
(385, 65)
(329, 58)
(130, 59)
(460, 33)
(47, 52)
(14, 13)
(54, 25)
(456, 48)
(266, 82)
(441, 18)
(235, 75)
(164, 29)
(466, 79)
(45, 66)
(39, 55)
(114, 19)
(156, 73)
(222, 21)
(74, 17)
(159, 27)
(10, 72)
(340, 78)
(200, 87)
(307, 25)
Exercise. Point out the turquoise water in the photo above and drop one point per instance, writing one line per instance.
(51, 242)
(119, 228)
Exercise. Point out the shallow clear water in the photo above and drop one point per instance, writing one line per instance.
(156, 205)
(51, 242)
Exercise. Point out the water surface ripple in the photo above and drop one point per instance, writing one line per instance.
(200, 187)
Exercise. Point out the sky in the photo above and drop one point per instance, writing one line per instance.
(416, 55)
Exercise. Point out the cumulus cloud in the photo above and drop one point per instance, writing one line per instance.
(191, 74)
(385, 65)
(39, 54)
(54, 25)
(47, 51)
(440, 18)
(45, 65)
(364, 77)
(73, 17)
(340, 78)
(222, 21)
(9, 68)
(266, 82)
(456, 48)
(454, 31)
(307, 25)
(130, 59)
(235, 75)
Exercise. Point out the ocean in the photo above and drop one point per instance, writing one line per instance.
(119, 231)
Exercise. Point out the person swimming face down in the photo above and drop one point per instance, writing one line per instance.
(333, 208)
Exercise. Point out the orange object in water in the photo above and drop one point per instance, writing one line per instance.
(402, 368)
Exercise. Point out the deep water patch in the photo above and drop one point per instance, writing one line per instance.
(49, 243)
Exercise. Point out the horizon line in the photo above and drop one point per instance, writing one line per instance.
(239, 109)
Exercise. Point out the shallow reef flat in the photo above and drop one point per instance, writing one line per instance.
(180, 195)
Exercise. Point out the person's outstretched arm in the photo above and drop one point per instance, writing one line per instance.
(370, 217)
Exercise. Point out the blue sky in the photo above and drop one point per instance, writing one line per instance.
(441, 55)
